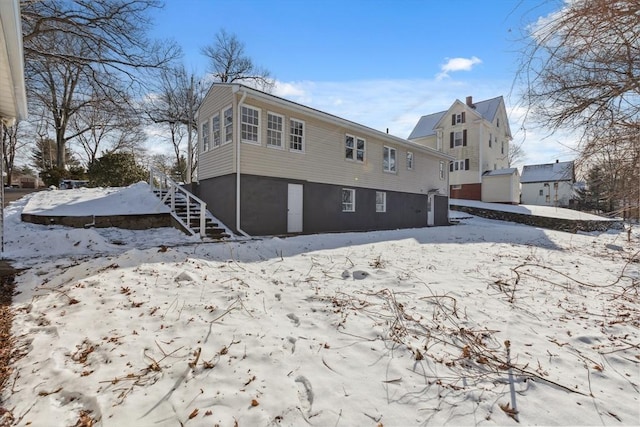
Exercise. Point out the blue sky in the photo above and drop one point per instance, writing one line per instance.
(380, 63)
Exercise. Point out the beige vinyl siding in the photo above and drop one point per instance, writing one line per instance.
(323, 159)
(427, 141)
(220, 160)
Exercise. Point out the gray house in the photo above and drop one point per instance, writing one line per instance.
(269, 166)
(550, 184)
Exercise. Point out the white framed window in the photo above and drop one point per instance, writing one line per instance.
(296, 135)
(215, 124)
(228, 125)
(458, 118)
(354, 148)
(381, 201)
(274, 130)
(458, 139)
(441, 170)
(389, 159)
(250, 124)
(459, 165)
(205, 136)
(409, 160)
(348, 200)
(456, 187)
(541, 193)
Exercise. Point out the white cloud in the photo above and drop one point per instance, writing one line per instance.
(457, 64)
(399, 104)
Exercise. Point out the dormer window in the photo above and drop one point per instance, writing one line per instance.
(457, 119)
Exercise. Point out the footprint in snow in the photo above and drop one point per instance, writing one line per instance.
(359, 274)
(305, 394)
(295, 319)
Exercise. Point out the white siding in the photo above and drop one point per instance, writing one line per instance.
(501, 189)
(557, 197)
(323, 159)
(217, 161)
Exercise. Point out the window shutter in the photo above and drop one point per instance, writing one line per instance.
(466, 164)
(451, 167)
(464, 138)
(463, 120)
(453, 119)
(451, 139)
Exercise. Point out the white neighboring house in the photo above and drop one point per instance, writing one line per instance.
(550, 184)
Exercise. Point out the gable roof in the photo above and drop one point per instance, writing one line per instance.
(327, 117)
(486, 109)
(426, 125)
(558, 171)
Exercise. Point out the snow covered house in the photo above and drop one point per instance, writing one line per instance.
(477, 134)
(550, 184)
(269, 166)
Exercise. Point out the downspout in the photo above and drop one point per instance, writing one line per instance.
(238, 141)
(480, 156)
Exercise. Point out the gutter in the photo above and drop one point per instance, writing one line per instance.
(238, 141)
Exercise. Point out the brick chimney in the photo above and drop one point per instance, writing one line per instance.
(470, 101)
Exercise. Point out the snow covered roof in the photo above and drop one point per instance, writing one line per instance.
(425, 127)
(558, 171)
(498, 172)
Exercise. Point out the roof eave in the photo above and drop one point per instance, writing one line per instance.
(12, 38)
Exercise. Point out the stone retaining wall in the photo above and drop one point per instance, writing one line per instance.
(130, 222)
(570, 225)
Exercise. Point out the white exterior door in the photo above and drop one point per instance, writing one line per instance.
(431, 200)
(294, 209)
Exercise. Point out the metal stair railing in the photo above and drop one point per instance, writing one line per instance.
(161, 183)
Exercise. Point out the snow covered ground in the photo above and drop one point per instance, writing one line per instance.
(481, 323)
(545, 211)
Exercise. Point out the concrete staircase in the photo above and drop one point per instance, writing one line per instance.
(189, 212)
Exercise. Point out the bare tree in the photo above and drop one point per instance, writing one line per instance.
(110, 128)
(173, 105)
(516, 153)
(229, 63)
(11, 144)
(582, 72)
(77, 48)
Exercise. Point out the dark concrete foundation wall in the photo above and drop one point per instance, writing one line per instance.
(468, 192)
(323, 210)
(264, 206)
(220, 196)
